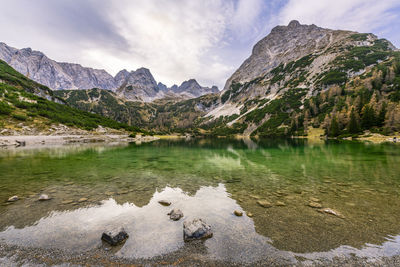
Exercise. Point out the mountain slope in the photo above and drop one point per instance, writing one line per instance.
(25, 104)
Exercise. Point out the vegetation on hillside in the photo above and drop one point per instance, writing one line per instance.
(19, 100)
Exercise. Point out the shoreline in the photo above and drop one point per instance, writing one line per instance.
(40, 140)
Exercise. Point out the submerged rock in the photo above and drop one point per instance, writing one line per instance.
(44, 197)
(13, 199)
(68, 201)
(249, 214)
(280, 203)
(115, 237)
(83, 199)
(238, 213)
(314, 205)
(332, 212)
(164, 202)
(196, 229)
(314, 199)
(264, 203)
(175, 214)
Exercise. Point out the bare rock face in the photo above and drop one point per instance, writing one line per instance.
(55, 75)
(138, 85)
(196, 229)
(283, 44)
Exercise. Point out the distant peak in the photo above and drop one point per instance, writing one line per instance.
(294, 24)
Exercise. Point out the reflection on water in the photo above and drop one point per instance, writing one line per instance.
(94, 188)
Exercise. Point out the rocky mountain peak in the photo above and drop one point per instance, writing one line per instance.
(294, 24)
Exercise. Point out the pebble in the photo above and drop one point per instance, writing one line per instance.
(314, 199)
(280, 203)
(332, 212)
(69, 201)
(44, 197)
(238, 213)
(13, 199)
(314, 205)
(164, 202)
(249, 214)
(83, 199)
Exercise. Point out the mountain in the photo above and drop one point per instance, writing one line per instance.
(55, 75)
(298, 64)
(138, 85)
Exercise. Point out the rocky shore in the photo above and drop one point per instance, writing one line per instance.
(40, 140)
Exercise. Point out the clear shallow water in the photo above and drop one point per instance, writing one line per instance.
(207, 179)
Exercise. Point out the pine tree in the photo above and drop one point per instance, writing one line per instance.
(334, 128)
(381, 116)
(353, 124)
(368, 119)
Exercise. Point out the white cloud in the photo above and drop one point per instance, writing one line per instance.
(176, 39)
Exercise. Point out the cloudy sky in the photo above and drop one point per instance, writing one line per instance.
(177, 39)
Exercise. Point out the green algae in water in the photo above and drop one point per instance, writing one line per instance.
(359, 181)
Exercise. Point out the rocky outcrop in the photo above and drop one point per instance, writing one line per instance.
(137, 85)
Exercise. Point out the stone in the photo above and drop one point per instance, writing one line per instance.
(175, 214)
(164, 202)
(83, 199)
(314, 199)
(68, 201)
(196, 229)
(13, 199)
(264, 203)
(238, 213)
(249, 214)
(44, 197)
(280, 203)
(314, 205)
(331, 212)
(115, 237)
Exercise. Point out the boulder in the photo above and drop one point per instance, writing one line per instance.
(175, 214)
(164, 202)
(196, 229)
(44, 197)
(115, 237)
(13, 199)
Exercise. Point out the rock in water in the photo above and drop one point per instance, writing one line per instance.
(175, 214)
(332, 212)
(44, 197)
(115, 237)
(264, 203)
(164, 202)
(196, 229)
(238, 213)
(13, 199)
(314, 205)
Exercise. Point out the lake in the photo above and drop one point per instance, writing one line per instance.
(98, 187)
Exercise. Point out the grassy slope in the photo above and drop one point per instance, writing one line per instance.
(23, 100)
